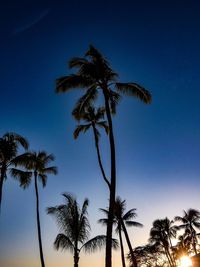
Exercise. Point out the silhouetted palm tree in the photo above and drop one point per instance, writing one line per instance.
(93, 119)
(190, 221)
(37, 163)
(10, 143)
(93, 74)
(121, 220)
(74, 224)
(159, 237)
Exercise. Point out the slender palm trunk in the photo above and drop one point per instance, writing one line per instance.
(168, 256)
(99, 155)
(76, 255)
(193, 241)
(3, 172)
(38, 221)
(173, 258)
(122, 247)
(108, 262)
(129, 244)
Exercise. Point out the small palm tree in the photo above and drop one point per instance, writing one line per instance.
(10, 143)
(37, 164)
(121, 220)
(95, 74)
(94, 118)
(74, 224)
(190, 222)
(159, 237)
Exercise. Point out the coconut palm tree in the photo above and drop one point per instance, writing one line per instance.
(94, 118)
(37, 164)
(74, 224)
(190, 222)
(94, 74)
(159, 237)
(121, 220)
(10, 144)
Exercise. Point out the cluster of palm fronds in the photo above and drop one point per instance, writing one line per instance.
(166, 247)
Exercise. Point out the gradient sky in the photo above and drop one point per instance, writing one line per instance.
(154, 43)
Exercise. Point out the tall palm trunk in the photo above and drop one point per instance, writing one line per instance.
(129, 244)
(108, 262)
(38, 221)
(122, 247)
(99, 155)
(3, 173)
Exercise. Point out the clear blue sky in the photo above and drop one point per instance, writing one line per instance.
(154, 43)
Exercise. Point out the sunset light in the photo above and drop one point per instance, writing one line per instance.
(185, 261)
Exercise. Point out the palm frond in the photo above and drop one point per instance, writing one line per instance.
(103, 124)
(43, 179)
(24, 177)
(66, 83)
(134, 89)
(84, 102)
(77, 62)
(114, 99)
(132, 223)
(81, 128)
(63, 242)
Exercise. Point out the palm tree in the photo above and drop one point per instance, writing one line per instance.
(159, 236)
(74, 224)
(190, 221)
(37, 163)
(93, 119)
(121, 220)
(10, 144)
(95, 74)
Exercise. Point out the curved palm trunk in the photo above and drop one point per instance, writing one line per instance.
(129, 244)
(38, 221)
(168, 256)
(99, 156)
(3, 172)
(108, 262)
(194, 241)
(122, 247)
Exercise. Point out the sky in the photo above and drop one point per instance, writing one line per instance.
(153, 43)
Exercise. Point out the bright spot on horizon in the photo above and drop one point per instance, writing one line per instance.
(185, 261)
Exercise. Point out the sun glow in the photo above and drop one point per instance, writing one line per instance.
(185, 261)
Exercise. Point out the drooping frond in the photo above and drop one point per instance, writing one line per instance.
(73, 81)
(132, 223)
(81, 128)
(24, 177)
(63, 242)
(77, 62)
(114, 99)
(103, 124)
(134, 89)
(85, 102)
(130, 214)
(43, 179)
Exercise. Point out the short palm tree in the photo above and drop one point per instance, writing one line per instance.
(94, 74)
(74, 224)
(37, 164)
(121, 220)
(159, 237)
(190, 222)
(94, 118)
(10, 144)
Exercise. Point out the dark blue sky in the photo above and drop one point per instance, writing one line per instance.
(154, 43)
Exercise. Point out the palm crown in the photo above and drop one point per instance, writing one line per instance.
(94, 73)
(75, 227)
(10, 144)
